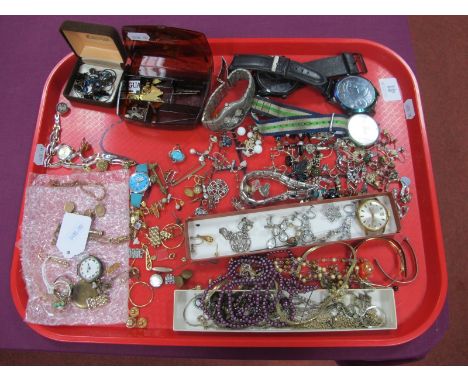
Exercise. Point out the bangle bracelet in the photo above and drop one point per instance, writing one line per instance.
(400, 255)
(416, 268)
(130, 294)
(233, 113)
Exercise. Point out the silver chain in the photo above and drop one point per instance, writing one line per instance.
(100, 160)
(54, 139)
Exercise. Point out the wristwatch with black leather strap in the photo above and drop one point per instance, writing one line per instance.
(279, 65)
(277, 83)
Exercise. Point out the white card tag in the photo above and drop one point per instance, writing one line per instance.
(73, 234)
(409, 109)
(134, 86)
(39, 154)
(390, 89)
(135, 36)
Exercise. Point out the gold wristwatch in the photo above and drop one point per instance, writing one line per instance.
(372, 215)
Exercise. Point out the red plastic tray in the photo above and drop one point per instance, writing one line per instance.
(418, 305)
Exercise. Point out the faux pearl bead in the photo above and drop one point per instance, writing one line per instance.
(249, 134)
(257, 149)
(192, 151)
(241, 131)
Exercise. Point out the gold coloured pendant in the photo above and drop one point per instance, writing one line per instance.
(81, 292)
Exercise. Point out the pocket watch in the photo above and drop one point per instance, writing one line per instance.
(90, 269)
(372, 215)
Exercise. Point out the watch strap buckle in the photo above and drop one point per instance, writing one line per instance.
(355, 63)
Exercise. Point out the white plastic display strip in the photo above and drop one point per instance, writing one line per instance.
(186, 313)
(323, 219)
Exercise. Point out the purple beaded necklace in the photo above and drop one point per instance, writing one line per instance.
(249, 293)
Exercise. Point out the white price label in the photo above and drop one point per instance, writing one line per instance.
(390, 89)
(39, 154)
(73, 234)
(135, 36)
(409, 109)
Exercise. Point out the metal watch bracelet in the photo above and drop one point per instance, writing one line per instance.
(233, 113)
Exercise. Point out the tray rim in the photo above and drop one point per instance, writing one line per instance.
(315, 341)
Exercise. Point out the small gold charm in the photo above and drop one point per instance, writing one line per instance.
(134, 273)
(134, 312)
(172, 256)
(186, 274)
(131, 322)
(100, 210)
(165, 235)
(189, 192)
(142, 323)
(179, 281)
(113, 268)
(148, 261)
(69, 207)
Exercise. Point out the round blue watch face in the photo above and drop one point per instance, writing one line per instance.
(355, 94)
(139, 182)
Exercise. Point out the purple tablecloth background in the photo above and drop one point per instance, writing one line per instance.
(32, 46)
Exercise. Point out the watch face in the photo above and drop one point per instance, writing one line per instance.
(90, 269)
(363, 130)
(372, 215)
(355, 94)
(139, 182)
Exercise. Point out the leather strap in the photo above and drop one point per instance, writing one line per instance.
(135, 199)
(142, 168)
(338, 66)
(276, 85)
(292, 120)
(279, 65)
